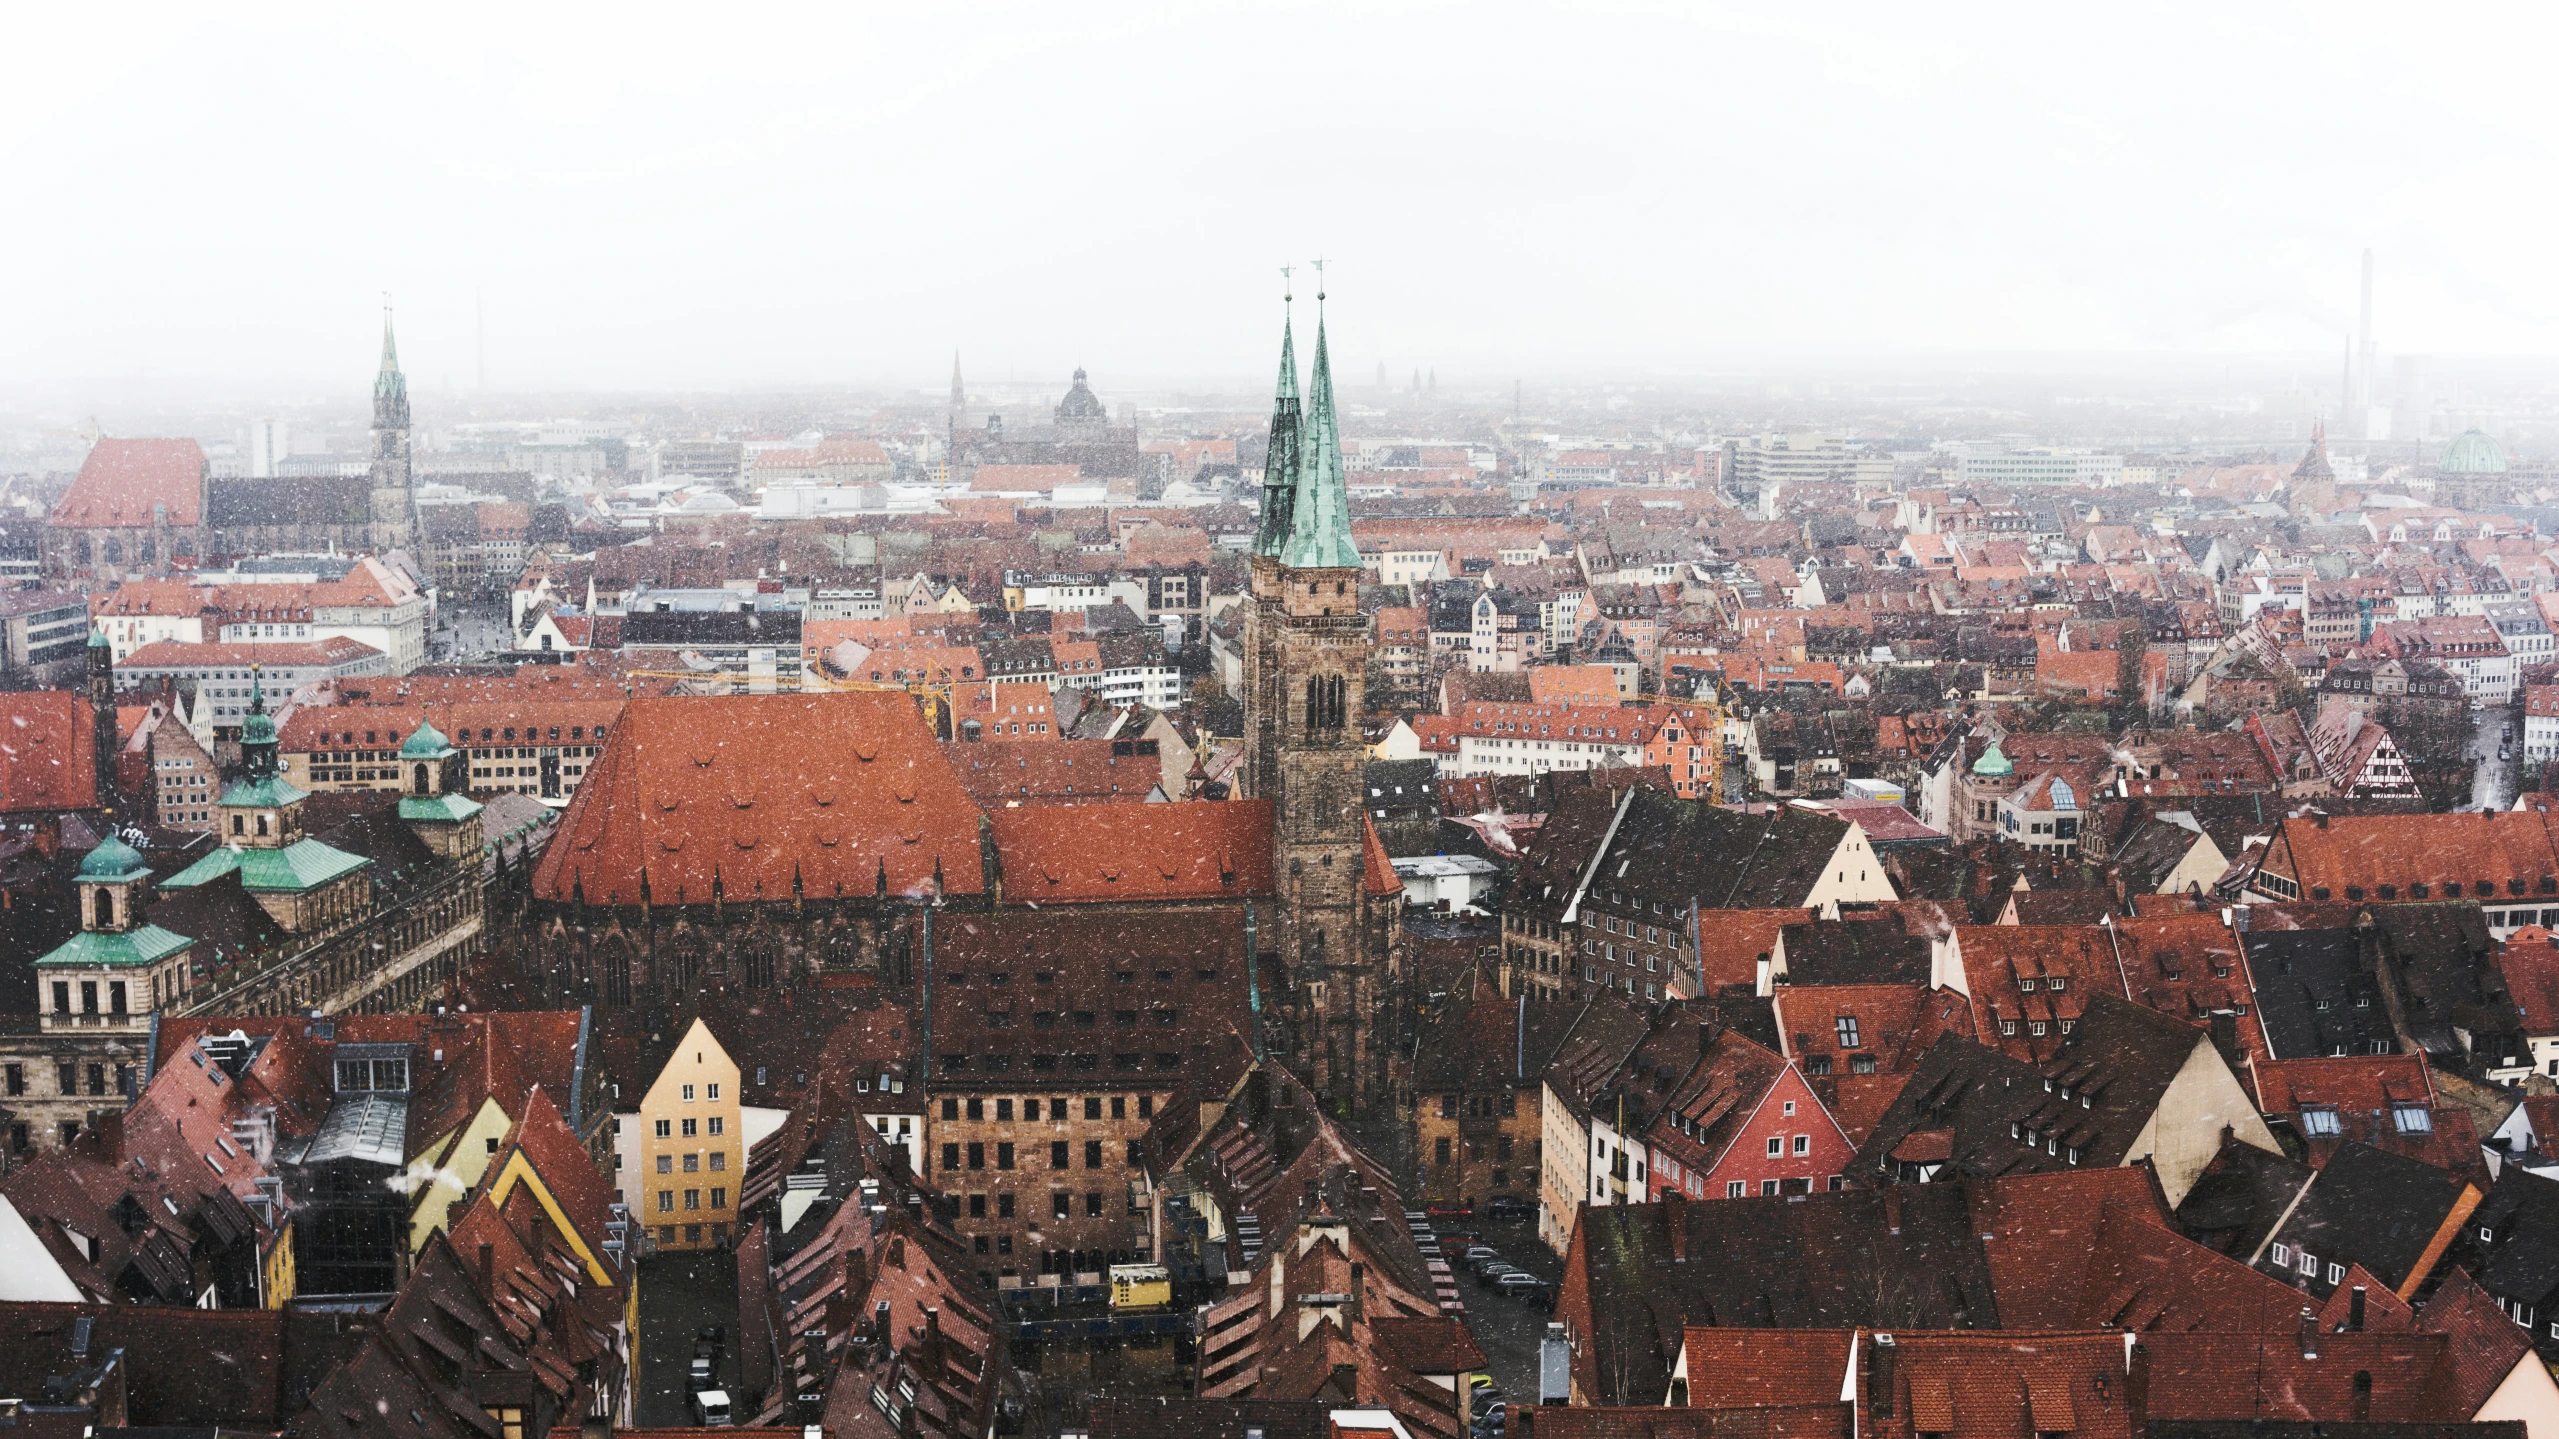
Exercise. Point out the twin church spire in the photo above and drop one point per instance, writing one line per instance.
(1306, 508)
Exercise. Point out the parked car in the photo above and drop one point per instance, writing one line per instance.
(1508, 1209)
(1489, 1275)
(711, 1409)
(1526, 1288)
(1450, 1211)
(1479, 1254)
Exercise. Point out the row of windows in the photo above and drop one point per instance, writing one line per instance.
(692, 1200)
(1083, 1018)
(2326, 1120)
(116, 1001)
(1591, 975)
(975, 1107)
(1060, 1154)
(959, 978)
(67, 1078)
(1503, 1146)
(1047, 1063)
(692, 1162)
(1736, 1188)
(718, 1125)
(1061, 1205)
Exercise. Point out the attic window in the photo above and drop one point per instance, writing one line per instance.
(2354, 891)
(2412, 1119)
(2320, 1119)
(2390, 891)
(2418, 891)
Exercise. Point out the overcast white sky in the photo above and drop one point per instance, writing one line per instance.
(730, 195)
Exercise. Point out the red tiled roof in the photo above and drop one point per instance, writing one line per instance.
(48, 753)
(170, 654)
(1377, 868)
(1730, 949)
(1070, 854)
(761, 792)
(1012, 772)
(124, 484)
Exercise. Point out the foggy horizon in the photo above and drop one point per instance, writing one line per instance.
(840, 201)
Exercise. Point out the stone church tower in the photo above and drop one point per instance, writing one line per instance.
(1307, 646)
(391, 522)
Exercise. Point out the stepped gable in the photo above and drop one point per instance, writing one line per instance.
(835, 794)
(1099, 854)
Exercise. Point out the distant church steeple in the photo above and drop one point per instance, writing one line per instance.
(959, 404)
(392, 515)
(1319, 534)
(1279, 466)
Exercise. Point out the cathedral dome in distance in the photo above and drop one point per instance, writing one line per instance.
(2474, 452)
(1080, 416)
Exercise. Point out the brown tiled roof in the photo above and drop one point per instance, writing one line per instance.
(2501, 851)
(1729, 949)
(2379, 1378)
(2190, 965)
(129, 483)
(2120, 1059)
(2000, 963)
(1056, 854)
(762, 794)
(47, 752)
(1377, 869)
(2483, 1345)
(1006, 772)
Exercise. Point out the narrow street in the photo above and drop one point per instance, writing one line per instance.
(2493, 787)
(680, 1295)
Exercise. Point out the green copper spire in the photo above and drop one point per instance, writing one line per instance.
(1319, 536)
(1279, 467)
(257, 732)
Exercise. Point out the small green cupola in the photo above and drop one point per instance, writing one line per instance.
(432, 801)
(1993, 764)
(118, 969)
(260, 810)
(113, 860)
(425, 742)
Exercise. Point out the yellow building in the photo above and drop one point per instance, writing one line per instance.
(692, 1147)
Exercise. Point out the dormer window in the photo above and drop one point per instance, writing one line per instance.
(376, 1075)
(2320, 1120)
(2412, 1119)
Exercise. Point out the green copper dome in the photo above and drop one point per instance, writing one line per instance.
(113, 859)
(427, 742)
(258, 728)
(1993, 762)
(2474, 452)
